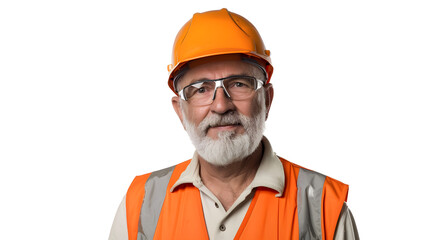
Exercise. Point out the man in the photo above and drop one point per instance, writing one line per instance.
(234, 187)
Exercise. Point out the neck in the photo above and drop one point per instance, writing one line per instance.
(228, 182)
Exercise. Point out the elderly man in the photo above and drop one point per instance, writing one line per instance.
(234, 187)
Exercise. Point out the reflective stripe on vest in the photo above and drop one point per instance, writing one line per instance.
(309, 200)
(155, 190)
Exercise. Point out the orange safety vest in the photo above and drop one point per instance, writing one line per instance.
(308, 209)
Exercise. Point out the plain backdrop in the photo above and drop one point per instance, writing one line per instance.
(84, 106)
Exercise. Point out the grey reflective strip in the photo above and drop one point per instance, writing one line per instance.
(309, 200)
(155, 190)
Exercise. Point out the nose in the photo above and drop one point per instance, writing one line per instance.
(221, 102)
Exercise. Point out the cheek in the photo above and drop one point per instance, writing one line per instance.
(247, 108)
(196, 114)
(258, 104)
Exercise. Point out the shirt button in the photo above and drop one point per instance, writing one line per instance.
(216, 205)
(222, 227)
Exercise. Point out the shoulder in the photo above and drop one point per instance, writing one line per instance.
(307, 178)
(136, 189)
(306, 171)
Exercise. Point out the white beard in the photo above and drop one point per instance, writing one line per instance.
(229, 147)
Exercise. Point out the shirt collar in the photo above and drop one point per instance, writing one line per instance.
(270, 173)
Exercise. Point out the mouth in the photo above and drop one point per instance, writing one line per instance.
(224, 127)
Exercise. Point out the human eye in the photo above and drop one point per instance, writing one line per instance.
(240, 83)
(192, 91)
(203, 87)
(201, 90)
(198, 89)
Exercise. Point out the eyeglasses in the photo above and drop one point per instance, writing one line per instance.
(236, 87)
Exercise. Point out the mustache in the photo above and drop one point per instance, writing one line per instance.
(215, 120)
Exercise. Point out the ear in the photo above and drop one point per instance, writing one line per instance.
(177, 107)
(269, 95)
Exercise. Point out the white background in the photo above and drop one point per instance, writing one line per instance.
(84, 106)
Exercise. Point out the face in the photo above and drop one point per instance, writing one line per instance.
(221, 129)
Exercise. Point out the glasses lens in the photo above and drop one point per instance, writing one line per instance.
(240, 88)
(200, 93)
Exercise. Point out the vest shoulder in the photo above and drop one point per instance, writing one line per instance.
(297, 168)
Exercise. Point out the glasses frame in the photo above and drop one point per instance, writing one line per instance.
(219, 83)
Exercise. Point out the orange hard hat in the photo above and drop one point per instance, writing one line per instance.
(216, 33)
